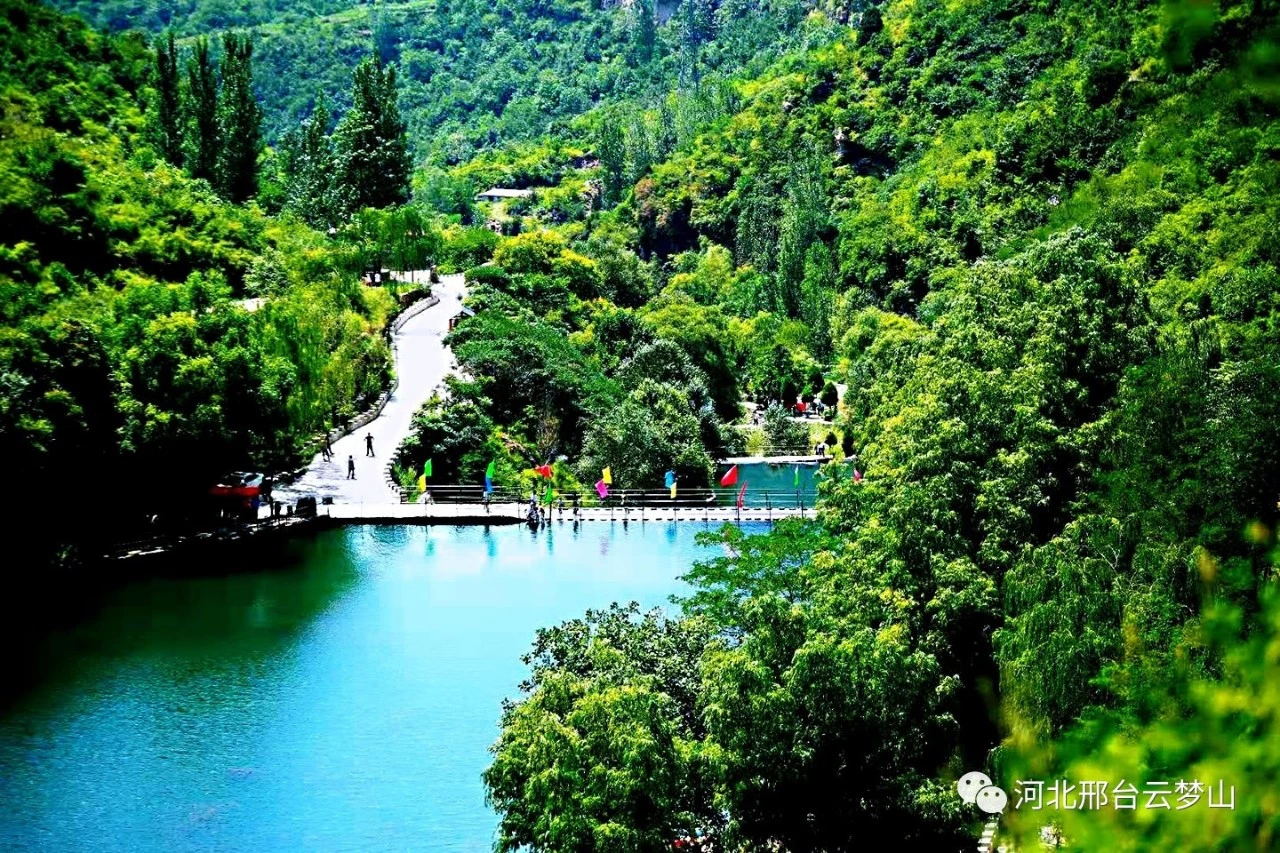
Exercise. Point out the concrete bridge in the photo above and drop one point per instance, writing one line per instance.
(516, 513)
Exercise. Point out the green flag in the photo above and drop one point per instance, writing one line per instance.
(492, 470)
(426, 468)
(797, 477)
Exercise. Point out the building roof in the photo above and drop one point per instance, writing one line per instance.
(503, 192)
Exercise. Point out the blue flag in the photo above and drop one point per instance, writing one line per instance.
(669, 479)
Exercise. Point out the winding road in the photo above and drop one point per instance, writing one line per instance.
(421, 362)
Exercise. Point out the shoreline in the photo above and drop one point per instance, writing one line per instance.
(214, 547)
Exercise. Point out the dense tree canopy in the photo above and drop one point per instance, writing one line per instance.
(472, 74)
(126, 353)
(1034, 242)
(1031, 241)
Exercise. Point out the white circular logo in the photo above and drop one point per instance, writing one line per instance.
(992, 800)
(970, 784)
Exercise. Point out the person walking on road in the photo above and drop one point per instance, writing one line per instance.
(368, 444)
(351, 467)
(326, 452)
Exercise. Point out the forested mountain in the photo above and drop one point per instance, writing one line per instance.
(476, 73)
(1034, 239)
(195, 17)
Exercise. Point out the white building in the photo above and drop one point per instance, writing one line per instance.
(502, 194)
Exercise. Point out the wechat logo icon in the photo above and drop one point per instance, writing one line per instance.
(976, 789)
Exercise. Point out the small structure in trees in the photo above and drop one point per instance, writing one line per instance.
(459, 317)
(502, 194)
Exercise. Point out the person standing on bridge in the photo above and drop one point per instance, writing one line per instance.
(351, 467)
(368, 444)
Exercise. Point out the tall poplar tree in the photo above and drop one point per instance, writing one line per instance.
(309, 169)
(373, 162)
(611, 149)
(202, 109)
(804, 222)
(166, 110)
(239, 121)
(644, 32)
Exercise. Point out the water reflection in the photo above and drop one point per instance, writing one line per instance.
(340, 696)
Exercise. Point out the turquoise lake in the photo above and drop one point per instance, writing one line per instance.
(341, 697)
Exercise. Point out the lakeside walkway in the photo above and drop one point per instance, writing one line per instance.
(421, 362)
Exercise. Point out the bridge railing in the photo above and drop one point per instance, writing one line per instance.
(691, 498)
(764, 451)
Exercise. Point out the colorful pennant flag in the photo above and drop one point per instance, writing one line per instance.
(606, 476)
(669, 479)
(489, 474)
(544, 470)
(857, 476)
(742, 494)
(602, 489)
(796, 478)
(730, 477)
(426, 472)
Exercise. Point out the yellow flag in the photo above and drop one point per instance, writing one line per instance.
(607, 476)
(673, 491)
(422, 483)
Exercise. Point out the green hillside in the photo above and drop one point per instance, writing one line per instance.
(129, 365)
(475, 74)
(1034, 239)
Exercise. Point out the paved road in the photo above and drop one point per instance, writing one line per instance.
(422, 362)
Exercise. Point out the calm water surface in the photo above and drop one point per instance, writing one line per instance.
(342, 698)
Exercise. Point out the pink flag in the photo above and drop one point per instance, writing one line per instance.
(742, 493)
(857, 477)
(602, 489)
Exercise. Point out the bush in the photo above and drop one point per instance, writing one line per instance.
(782, 434)
(830, 396)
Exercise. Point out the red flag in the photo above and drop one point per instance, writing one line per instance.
(730, 477)
(544, 470)
(742, 493)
